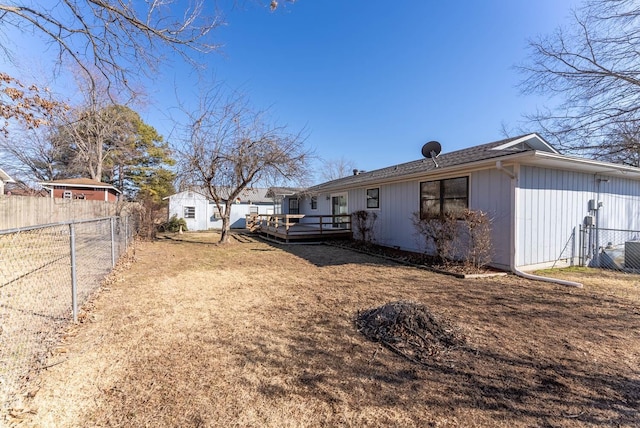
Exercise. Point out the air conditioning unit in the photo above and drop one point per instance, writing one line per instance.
(632, 255)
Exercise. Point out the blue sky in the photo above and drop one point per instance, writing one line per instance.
(372, 81)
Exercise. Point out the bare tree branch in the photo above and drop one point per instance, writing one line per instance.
(593, 69)
(120, 39)
(228, 147)
(332, 169)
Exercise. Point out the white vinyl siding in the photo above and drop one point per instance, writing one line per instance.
(552, 203)
(490, 192)
(206, 213)
(620, 204)
(549, 203)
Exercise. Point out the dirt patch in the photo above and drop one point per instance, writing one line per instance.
(255, 334)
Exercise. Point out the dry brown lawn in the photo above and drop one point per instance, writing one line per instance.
(251, 334)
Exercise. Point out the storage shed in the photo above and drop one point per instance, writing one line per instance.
(201, 213)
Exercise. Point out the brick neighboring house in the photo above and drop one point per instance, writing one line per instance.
(81, 188)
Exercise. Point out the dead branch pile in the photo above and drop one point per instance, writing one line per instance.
(410, 330)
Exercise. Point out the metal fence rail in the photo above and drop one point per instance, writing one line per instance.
(46, 273)
(615, 249)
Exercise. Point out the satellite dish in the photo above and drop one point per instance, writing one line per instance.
(431, 150)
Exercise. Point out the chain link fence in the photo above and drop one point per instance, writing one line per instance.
(615, 249)
(46, 273)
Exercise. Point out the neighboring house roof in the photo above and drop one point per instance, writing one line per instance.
(530, 148)
(279, 192)
(254, 195)
(79, 182)
(5, 177)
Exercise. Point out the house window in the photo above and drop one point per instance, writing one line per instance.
(314, 202)
(293, 206)
(215, 213)
(440, 197)
(67, 194)
(189, 212)
(253, 210)
(373, 198)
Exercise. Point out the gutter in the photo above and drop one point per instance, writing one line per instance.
(514, 236)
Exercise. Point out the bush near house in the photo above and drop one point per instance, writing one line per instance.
(461, 237)
(363, 223)
(174, 224)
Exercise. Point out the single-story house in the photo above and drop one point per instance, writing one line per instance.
(4, 178)
(201, 213)
(538, 199)
(281, 194)
(81, 188)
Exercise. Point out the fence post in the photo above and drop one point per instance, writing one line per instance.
(113, 241)
(74, 279)
(580, 251)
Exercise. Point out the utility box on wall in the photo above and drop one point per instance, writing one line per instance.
(632, 255)
(589, 221)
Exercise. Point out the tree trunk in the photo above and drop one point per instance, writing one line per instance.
(226, 225)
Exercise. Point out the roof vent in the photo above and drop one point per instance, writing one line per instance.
(356, 172)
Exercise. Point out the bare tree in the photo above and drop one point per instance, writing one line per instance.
(120, 39)
(332, 169)
(593, 68)
(229, 146)
(32, 154)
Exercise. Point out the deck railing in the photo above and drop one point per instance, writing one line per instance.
(299, 226)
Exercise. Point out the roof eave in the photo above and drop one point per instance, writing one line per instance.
(448, 170)
(6, 177)
(590, 166)
(46, 185)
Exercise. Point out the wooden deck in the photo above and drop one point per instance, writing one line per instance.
(299, 227)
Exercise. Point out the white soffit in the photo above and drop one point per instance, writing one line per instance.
(534, 141)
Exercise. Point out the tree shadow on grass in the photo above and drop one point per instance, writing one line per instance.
(322, 255)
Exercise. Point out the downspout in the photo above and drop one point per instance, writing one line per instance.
(514, 235)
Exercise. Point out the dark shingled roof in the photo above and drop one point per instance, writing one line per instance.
(459, 157)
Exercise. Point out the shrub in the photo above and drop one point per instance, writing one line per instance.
(174, 224)
(439, 234)
(363, 222)
(465, 237)
(475, 231)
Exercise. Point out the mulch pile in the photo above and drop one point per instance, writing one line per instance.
(410, 330)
